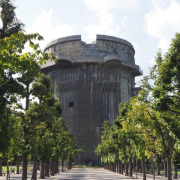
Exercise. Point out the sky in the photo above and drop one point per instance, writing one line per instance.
(147, 24)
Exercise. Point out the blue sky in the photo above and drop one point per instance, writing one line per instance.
(147, 24)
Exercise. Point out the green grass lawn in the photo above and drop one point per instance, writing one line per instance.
(85, 166)
(15, 168)
(171, 171)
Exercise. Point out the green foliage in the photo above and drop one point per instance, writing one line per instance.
(10, 22)
(12, 57)
(149, 124)
(36, 129)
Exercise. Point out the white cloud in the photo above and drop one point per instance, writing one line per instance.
(163, 21)
(100, 29)
(49, 30)
(124, 21)
(105, 11)
(152, 60)
(104, 26)
(0, 19)
(135, 45)
(113, 4)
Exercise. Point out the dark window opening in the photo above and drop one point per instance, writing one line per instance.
(71, 104)
(87, 161)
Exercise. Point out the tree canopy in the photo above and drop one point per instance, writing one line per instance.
(149, 123)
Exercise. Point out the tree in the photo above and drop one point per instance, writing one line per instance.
(26, 64)
(166, 91)
(9, 86)
(151, 119)
(50, 133)
(39, 121)
(10, 23)
(124, 141)
(107, 149)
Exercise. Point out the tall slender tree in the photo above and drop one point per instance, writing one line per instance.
(9, 86)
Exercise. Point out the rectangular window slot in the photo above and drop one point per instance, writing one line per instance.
(71, 104)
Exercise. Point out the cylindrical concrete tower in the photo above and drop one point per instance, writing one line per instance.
(91, 80)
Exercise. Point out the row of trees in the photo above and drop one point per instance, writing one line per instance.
(37, 129)
(148, 126)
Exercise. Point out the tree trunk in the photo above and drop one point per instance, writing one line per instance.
(151, 166)
(130, 167)
(165, 168)
(115, 167)
(175, 170)
(8, 174)
(169, 168)
(35, 165)
(47, 164)
(17, 172)
(136, 167)
(153, 173)
(62, 166)
(0, 166)
(57, 166)
(146, 167)
(42, 164)
(24, 167)
(121, 165)
(126, 166)
(112, 167)
(69, 164)
(143, 169)
(158, 169)
(11, 168)
(38, 165)
(52, 168)
(126, 169)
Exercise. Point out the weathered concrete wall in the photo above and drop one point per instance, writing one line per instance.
(91, 80)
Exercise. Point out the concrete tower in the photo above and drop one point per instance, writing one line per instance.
(91, 80)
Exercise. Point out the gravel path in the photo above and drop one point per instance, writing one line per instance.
(86, 173)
